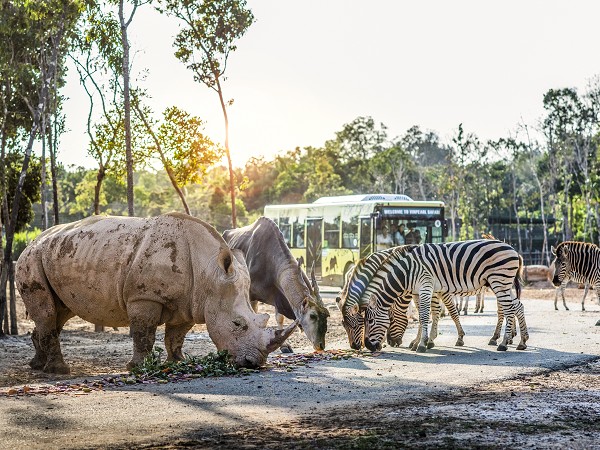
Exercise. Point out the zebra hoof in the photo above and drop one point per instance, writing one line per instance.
(421, 348)
(502, 348)
(286, 348)
(567, 309)
(598, 323)
(430, 344)
(521, 347)
(556, 308)
(459, 343)
(394, 342)
(494, 342)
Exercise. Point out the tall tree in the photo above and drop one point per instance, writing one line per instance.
(184, 151)
(204, 44)
(42, 26)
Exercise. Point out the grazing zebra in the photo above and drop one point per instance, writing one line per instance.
(462, 268)
(459, 301)
(579, 262)
(357, 291)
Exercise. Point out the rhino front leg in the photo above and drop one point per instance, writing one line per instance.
(144, 318)
(174, 337)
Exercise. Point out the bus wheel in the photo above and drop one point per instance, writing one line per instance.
(347, 272)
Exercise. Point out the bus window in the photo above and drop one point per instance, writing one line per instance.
(332, 233)
(286, 229)
(299, 241)
(350, 233)
(366, 247)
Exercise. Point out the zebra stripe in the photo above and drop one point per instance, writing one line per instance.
(462, 268)
(578, 262)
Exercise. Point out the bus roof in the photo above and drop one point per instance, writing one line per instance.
(358, 198)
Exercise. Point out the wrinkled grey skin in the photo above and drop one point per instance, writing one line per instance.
(142, 272)
(276, 279)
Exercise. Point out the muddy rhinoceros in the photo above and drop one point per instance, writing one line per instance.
(142, 272)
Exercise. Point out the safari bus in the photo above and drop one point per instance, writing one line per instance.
(333, 233)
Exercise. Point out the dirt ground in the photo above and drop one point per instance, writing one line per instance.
(557, 409)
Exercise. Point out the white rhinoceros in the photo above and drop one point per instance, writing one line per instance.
(142, 272)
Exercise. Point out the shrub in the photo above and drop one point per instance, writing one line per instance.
(21, 241)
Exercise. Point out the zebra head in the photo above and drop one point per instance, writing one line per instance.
(354, 324)
(377, 322)
(561, 264)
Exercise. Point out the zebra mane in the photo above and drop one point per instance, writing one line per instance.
(577, 246)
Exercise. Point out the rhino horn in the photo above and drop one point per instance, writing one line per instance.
(279, 336)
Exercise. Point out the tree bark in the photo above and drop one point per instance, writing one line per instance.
(14, 329)
(52, 146)
(228, 153)
(99, 179)
(127, 107)
(43, 176)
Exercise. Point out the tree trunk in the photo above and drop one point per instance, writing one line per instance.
(52, 144)
(516, 209)
(43, 176)
(127, 106)
(38, 112)
(228, 153)
(99, 179)
(14, 329)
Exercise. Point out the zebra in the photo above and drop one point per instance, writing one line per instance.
(464, 300)
(561, 289)
(355, 295)
(579, 262)
(453, 268)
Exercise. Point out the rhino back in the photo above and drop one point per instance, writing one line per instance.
(267, 256)
(96, 267)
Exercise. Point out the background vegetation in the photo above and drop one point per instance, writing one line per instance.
(535, 186)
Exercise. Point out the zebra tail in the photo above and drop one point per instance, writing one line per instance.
(519, 278)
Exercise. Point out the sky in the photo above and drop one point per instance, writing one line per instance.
(307, 67)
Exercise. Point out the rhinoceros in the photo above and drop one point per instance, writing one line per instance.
(277, 279)
(143, 272)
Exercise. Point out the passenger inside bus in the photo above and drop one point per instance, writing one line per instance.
(399, 235)
(300, 239)
(384, 239)
(413, 236)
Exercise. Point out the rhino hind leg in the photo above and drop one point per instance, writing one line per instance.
(39, 360)
(174, 337)
(144, 318)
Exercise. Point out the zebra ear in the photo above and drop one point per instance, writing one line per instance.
(373, 301)
(553, 250)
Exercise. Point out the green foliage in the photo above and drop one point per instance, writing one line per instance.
(186, 151)
(31, 188)
(211, 28)
(217, 364)
(22, 240)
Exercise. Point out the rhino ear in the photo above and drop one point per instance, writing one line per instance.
(226, 260)
(239, 255)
